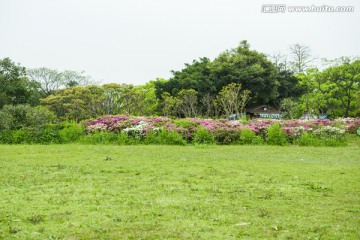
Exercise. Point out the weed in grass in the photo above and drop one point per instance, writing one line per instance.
(13, 230)
(36, 219)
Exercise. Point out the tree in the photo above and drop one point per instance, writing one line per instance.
(290, 109)
(170, 104)
(188, 102)
(73, 78)
(239, 65)
(301, 57)
(50, 80)
(13, 117)
(146, 102)
(289, 87)
(232, 100)
(244, 99)
(15, 88)
(250, 69)
(280, 61)
(76, 103)
(208, 104)
(112, 98)
(333, 90)
(345, 81)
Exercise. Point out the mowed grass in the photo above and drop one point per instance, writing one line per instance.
(179, 192)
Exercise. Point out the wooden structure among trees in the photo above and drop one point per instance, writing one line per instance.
(263, 111)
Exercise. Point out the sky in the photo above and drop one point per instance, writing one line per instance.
(135, 41)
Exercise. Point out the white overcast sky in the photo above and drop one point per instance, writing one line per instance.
(134, 41)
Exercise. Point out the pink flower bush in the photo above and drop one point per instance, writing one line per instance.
(188, 127)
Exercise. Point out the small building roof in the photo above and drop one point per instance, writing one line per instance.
(262, 109)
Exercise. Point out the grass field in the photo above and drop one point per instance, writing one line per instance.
(179, 192)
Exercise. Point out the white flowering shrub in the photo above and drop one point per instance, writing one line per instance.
(138, 130)
(330, 132)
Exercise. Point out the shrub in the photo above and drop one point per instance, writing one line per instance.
(275, 135)
(39, 116)
(309, 139)
(172, 138)
(137, 131)
(70, 132)
(227, 136)
(327, 132)
(6, 121)
(122, 138)
(19, 116)
(247, 136)
(154, 137)
(203, 136)
(45, 135)
(164, 137)
(14, 117)
(184, 123)
(21, 136)
(6, 136)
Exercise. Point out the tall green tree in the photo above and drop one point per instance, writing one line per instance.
(344, 81)
(76, 103)
(333, 90)
(15, 88)
(249, 68)
(239, 65)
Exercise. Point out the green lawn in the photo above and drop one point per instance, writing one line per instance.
(179, 192)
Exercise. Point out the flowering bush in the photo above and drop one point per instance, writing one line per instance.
(330, 132)
(223, 131)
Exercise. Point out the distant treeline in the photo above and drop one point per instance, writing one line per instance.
(235, 79)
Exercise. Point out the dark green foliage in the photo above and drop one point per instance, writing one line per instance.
(276, 136)
(249, 68)
(6, 136)
(6, 121)
(39, 116)
(194, 76)
(289, 86)
(15, 88)
(223, 136)
(239, 65)
(13, 117)
(203, 136)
